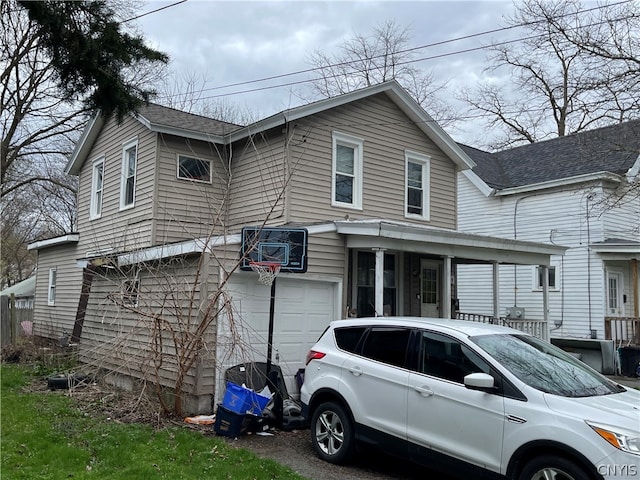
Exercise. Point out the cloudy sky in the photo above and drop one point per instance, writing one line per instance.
(244, 41)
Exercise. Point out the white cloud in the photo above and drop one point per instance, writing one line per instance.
(231, 42)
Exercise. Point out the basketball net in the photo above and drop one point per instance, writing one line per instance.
(267, 271)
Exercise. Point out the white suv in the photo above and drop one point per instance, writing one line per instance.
(475, 399)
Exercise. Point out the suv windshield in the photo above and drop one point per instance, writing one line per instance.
(545, 367)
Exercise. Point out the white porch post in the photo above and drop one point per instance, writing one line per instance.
(379, 288)
(545, 301)
(496, 290)
(446, 289)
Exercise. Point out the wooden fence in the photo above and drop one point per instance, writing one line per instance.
(14, 322)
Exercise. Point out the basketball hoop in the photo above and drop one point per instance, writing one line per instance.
(267, 271)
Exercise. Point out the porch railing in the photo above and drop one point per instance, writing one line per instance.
(537, 328)
(622, 330)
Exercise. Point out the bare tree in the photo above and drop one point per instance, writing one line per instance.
(41, 115)
(39, 125)
(18, 225)
(558, 86)
(367, 60)
(188, 92)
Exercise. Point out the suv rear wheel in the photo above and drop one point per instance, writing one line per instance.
(332, 433)
(550, 467)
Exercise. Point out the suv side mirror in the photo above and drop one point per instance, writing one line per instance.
(480, 381)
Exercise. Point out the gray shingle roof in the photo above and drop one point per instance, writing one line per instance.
(170, 117)
(612, 149)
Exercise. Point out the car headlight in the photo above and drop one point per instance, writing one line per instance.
(621, 438)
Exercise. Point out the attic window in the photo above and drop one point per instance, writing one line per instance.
(195, 169)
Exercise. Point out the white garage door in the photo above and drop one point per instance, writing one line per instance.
(303, 309)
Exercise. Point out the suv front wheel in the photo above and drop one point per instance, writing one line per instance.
(551, 467)
(332, 433)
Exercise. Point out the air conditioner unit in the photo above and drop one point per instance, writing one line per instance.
(515, 312)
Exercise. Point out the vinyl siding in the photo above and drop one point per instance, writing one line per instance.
(621, 219)
(122, 340)
(258, 181)
(57, 320)
(386, 133)
(557, 217)
(187, 209)
(116, 229)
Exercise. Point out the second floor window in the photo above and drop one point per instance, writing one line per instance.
(190, 168)
(97, 184)
(417, 185)
(129, 165)
(347, 171)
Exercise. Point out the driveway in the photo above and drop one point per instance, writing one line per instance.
(294, 450)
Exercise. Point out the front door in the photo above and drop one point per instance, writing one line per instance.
(429, 288)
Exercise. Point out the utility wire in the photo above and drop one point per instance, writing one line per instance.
(153, 11)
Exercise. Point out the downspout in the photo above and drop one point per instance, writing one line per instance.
(515, 237)
(591, 332)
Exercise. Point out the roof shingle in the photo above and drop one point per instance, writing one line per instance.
(612, 149)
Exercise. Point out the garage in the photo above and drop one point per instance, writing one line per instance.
(303, 308)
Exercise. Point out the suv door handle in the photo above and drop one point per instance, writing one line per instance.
(424, 390)
(357, 371)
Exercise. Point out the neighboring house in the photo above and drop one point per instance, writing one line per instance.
(163, 197)
(23, 292)
(16, 310)
(571, 191)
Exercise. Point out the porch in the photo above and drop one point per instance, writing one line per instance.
(537, 328)
(405, 269)
(624, 331)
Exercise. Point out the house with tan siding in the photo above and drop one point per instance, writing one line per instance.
(154, 289)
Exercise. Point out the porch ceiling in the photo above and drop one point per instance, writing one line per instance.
(464, 247)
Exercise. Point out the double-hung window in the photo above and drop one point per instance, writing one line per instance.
(346, 188)
(53, 276)
(128, 183)
(97, 184)
(416, 185)
(539, 277)
(195, 169)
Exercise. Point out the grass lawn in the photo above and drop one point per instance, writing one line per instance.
(44, 436)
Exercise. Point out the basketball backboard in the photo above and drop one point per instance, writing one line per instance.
(286, 246)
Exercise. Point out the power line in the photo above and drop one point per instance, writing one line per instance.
(153, 11)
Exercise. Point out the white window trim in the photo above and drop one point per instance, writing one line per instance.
(95, 209)
(53, 280)
(425, 161)
(123, 179)
(621, 305)
(538, 288)
(358, 147)
(193, 179)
